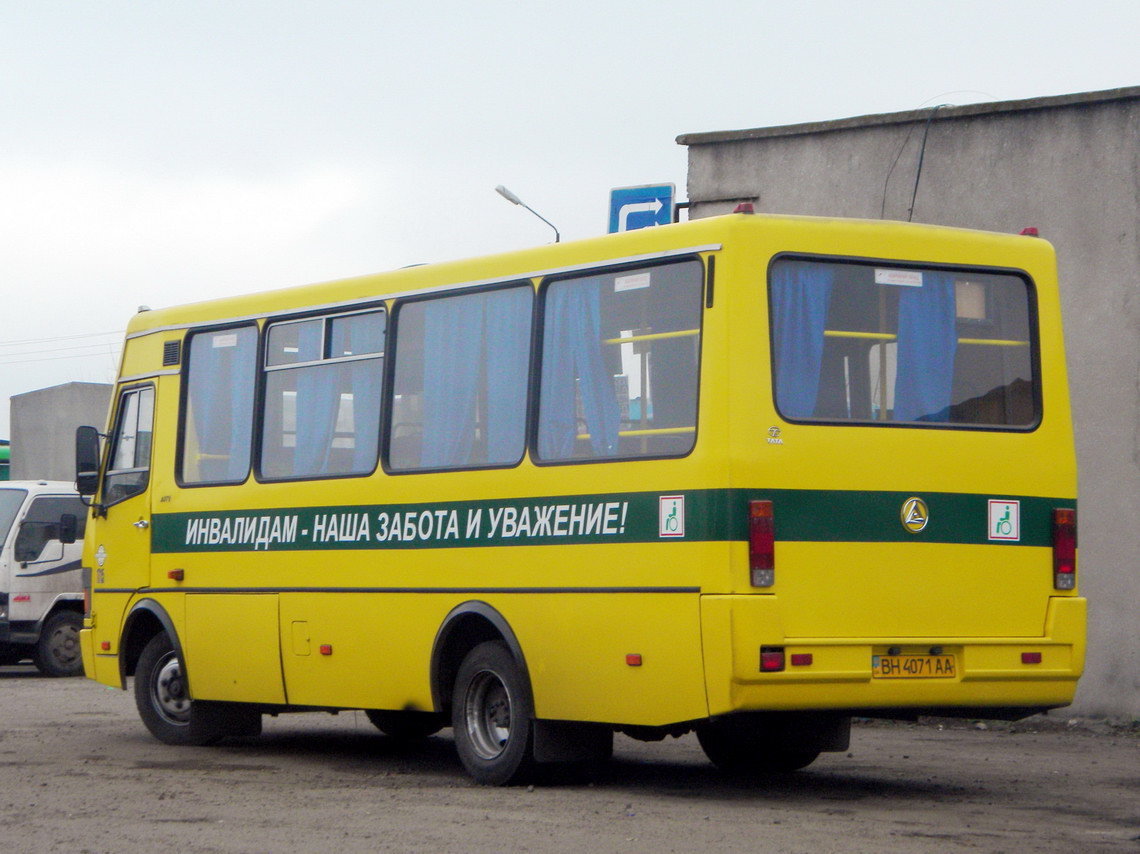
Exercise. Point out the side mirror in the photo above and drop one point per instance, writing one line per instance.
(68, 528)
(86, 460)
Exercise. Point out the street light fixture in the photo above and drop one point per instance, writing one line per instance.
(515, 200)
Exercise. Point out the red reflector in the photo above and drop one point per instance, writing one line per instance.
(745, 208)
(105, 645)
(633, 659)
(801, 659)
(326, 649)
(771, 659)
(1031, 658)
(176, 574)
(761, 543)
(1030, 231)
(1064, 548)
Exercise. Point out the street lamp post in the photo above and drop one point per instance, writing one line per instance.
(515, 200)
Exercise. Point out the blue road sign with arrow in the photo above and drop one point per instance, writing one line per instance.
(641, 207)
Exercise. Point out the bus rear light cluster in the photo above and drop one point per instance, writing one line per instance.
(771, 659)
(761, 544)
(1064, 548)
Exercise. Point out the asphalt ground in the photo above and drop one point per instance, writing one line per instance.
(81, 774)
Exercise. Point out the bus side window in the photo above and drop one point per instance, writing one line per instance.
(128, 467)
(620, 356)
(321, 413)
(217, 419)
(460, 390)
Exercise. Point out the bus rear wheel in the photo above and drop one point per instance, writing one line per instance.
(743, 750)
(57, 652)
(492, 717)
(162, 696)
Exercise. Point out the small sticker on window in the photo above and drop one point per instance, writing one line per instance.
(631, 283)
(220, 341)
(905, 278)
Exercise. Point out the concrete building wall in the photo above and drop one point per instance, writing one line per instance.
(1067, 165)
(43, 428)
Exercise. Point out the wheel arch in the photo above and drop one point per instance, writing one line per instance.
(146, 619)
(464, 628)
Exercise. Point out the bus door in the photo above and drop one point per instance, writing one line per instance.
(122, 539)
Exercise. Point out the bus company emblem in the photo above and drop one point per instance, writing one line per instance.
(914, 515)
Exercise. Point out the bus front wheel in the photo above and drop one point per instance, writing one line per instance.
(162, 696)
(492, 717)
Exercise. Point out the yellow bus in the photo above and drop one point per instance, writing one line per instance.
(747, 476)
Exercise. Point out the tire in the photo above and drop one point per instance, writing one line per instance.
(58, 652)
(405, 726)
(492, 717)
(172, 716)
(744, 751)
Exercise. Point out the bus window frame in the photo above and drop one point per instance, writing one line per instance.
(702, 291)
(895, 263)
(386, 409)
(324, 313)
(184, 400)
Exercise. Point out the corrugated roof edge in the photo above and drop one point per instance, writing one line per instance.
(946, 112)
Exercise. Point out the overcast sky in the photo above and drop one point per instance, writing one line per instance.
(157, 153)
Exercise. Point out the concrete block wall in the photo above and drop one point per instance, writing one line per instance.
(43, 428)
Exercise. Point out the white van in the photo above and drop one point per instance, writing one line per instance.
(41, 585)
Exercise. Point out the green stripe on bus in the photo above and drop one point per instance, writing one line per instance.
(713, 515)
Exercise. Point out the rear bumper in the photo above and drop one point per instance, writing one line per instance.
(990, 675)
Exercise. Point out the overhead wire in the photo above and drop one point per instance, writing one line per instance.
(94, 349)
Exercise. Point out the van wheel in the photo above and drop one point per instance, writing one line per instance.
(57, 652)
(743, 750)
(492, 717)
(163, 699)
(405, 726)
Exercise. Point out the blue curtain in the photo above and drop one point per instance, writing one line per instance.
(318, 399)
(572, 350)
(452, 333)
(928, 340)
(799, 293)
(472, 342)
(507, 316)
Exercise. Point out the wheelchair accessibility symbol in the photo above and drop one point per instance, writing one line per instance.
(1005, 520)
(671, 516)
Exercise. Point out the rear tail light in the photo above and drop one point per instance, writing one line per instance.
(761, 544)
(1064, 548)
(771, 659)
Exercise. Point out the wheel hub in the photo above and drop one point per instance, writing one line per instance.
(170, 698)
(488, 715)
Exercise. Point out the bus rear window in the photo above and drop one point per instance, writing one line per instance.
(879, 343)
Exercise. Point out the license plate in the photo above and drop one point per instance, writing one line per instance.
(913, 666)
